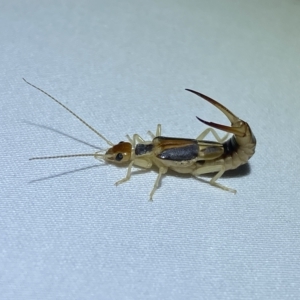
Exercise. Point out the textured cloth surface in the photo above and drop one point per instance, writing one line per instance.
(66, 232)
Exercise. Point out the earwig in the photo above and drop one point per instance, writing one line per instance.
(188, 156)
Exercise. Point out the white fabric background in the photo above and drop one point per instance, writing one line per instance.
(66, 232)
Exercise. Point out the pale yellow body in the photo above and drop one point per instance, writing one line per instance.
(211, 157)
(218, 165)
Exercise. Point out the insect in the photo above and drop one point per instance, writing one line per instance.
(182, 155)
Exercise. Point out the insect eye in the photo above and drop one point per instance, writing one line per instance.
(119, 157)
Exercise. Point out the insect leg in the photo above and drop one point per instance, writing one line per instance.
(162, 170)
(135, 139)
(158, 131)
(142, 163)
(215, 134)
(212, 169)
(128, 175)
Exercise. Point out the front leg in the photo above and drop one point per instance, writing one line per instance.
(140, 162)
(127, 177)
(135, 139)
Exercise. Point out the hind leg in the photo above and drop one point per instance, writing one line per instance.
(220, 169)
(215, 134)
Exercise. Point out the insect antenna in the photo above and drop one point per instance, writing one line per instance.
(70, 111)
(67, 156)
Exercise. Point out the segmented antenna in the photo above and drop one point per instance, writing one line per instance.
(70, 111)
(64, 156)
